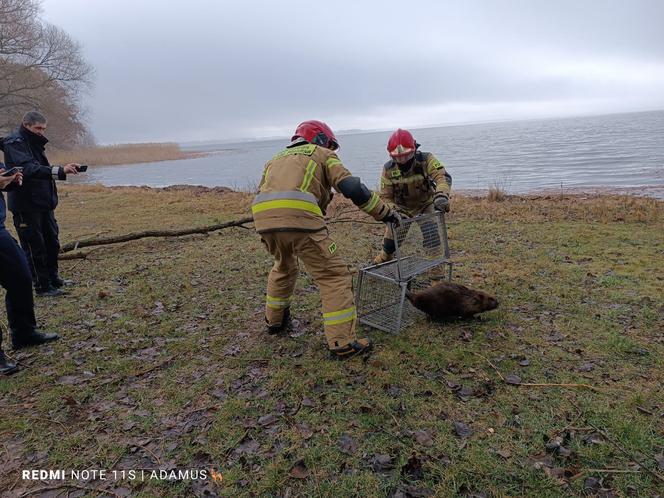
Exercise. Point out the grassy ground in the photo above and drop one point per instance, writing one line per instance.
(163, 362)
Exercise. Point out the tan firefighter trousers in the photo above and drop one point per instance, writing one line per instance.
(319, 254)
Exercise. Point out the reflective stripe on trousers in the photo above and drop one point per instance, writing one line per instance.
(328, 270)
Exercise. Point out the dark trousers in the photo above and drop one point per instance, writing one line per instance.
(38, 233)
(15, 278)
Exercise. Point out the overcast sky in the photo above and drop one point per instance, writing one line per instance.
(204, 69)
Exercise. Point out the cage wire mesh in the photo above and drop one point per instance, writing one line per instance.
(421, 256)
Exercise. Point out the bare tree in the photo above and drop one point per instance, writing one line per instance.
(40, 64)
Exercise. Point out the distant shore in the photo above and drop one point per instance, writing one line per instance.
(112, 155)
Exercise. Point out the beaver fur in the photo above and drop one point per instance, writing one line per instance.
(447, 300)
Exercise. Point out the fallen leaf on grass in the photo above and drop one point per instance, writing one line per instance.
(525, 362)
(465, 393)
(413, 468)
(462, 430)
(232, 350)
(423, 437)
(266, 420)
(248, 447)
(69, 380)
(159, 308)
(304, 430)
(347, 444)
(70, 401)
(591, 484)
(299, 470)
(659, 458)
(382, 463)
(407, 491)
(308, 403)
(504, 453)
(513, 379)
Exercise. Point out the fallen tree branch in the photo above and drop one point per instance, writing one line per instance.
(73, 255)
(529, 384)
(71, 246)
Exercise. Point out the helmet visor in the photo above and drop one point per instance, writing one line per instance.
(402, 155)
(332, 144)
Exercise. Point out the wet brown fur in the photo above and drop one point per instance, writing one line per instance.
(447, 300)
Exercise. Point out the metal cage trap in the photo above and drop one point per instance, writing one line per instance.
(422, 255)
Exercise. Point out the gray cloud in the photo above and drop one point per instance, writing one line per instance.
(206, 69)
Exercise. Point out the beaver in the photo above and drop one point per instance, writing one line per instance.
(447, 300)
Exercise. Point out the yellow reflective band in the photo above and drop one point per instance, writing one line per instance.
(337, 317)
(267, 172)
(340, 320)
(332, 314)
(277, 303)
(286, 204)
(308, 175)
(333, 161)
(373, 201)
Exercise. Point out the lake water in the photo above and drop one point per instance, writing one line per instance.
(619, 152)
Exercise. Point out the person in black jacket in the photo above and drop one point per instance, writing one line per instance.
(33, 204)
(15, 278)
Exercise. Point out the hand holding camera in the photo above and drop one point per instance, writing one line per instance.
(71, 168)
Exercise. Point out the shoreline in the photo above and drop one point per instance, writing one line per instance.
(655, 192)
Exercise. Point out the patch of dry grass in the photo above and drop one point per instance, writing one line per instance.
(107, 155)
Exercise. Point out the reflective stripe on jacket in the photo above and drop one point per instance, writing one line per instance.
(296, 188)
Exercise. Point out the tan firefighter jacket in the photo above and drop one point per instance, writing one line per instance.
(296, 188)
(412, 191)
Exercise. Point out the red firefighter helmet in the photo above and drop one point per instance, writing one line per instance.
(401, 146)
(318, 133)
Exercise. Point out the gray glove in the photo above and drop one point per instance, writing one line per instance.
(393, 217)
(441, 203)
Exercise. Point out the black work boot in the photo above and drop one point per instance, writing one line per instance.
(355, 348)
(33, 338)
(285, 322)
(49, 291)
(58, 282)
(6, 366)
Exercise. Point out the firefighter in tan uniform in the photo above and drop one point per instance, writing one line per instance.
(288, 214)
(412, 183)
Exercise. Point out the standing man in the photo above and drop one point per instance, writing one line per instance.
(33, 204)
(413, 182)
(15, 278)
(294, 192)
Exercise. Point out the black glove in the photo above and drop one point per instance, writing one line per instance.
(441, 203)
(393, 217)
